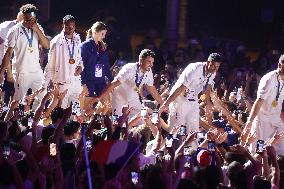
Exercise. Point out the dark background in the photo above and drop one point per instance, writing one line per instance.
(255, 22)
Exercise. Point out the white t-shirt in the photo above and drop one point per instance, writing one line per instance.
(58, 68)
(4, 28)
(127, 77)
(24, 61)
(194, 79)
(267, 90)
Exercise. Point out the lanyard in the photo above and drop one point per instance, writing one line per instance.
(71, 52)
(207, 81)
(30, 40)
(278, 89)
(137, 79)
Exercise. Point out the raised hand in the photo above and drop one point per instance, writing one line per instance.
(78, 70)
(277, 136)
(251, 138)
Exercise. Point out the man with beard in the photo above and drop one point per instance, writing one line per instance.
(128, 83)
(65, 63)
(183, 100)
(267, 116)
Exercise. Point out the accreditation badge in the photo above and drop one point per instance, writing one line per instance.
(98, 70)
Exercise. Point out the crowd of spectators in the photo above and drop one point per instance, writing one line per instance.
(51, 147)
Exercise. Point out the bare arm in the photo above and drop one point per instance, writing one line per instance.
(6, 61)
(265, 166)
(134, 120)
(59, 129)
(189, 139)
(37, 116)
(255, 109)
(153, 91)
(41, 37)
(50, 67)
(109, 88)
(275, 173)
(172, 97)
(158, 138)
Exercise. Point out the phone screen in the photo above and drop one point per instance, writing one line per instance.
(30, 121)
(89, 144)
(21, 110)
(182, 130)
(99, 118)
(76, 110)
(5, 108)
(159, 156)
(211, 146)
(114, 119)
(155, 117)
(143, 113)
(134, 177)
(186, 150)
(200, 137)
(52, 149)
(187, 160)
(6, 152)
(260, 146)
(227, 129)
(169, 141)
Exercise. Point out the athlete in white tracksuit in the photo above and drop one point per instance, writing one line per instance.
(65, 63)
(183, 99)
(129, 80)
(265, 116)
(24, 39)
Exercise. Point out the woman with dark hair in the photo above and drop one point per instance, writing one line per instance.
(96, 61)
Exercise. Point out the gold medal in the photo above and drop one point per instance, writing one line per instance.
(203, 97)
(71, 61)
(274, 103)
(30, 49)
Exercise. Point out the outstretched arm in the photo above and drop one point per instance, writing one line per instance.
(153, 91)
(109, 88)
(172, 97)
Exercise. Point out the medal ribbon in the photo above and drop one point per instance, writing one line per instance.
(30, 40)
(207, 81)
(137, 79)
(278, 89)
(71, 51)
(138, 82)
